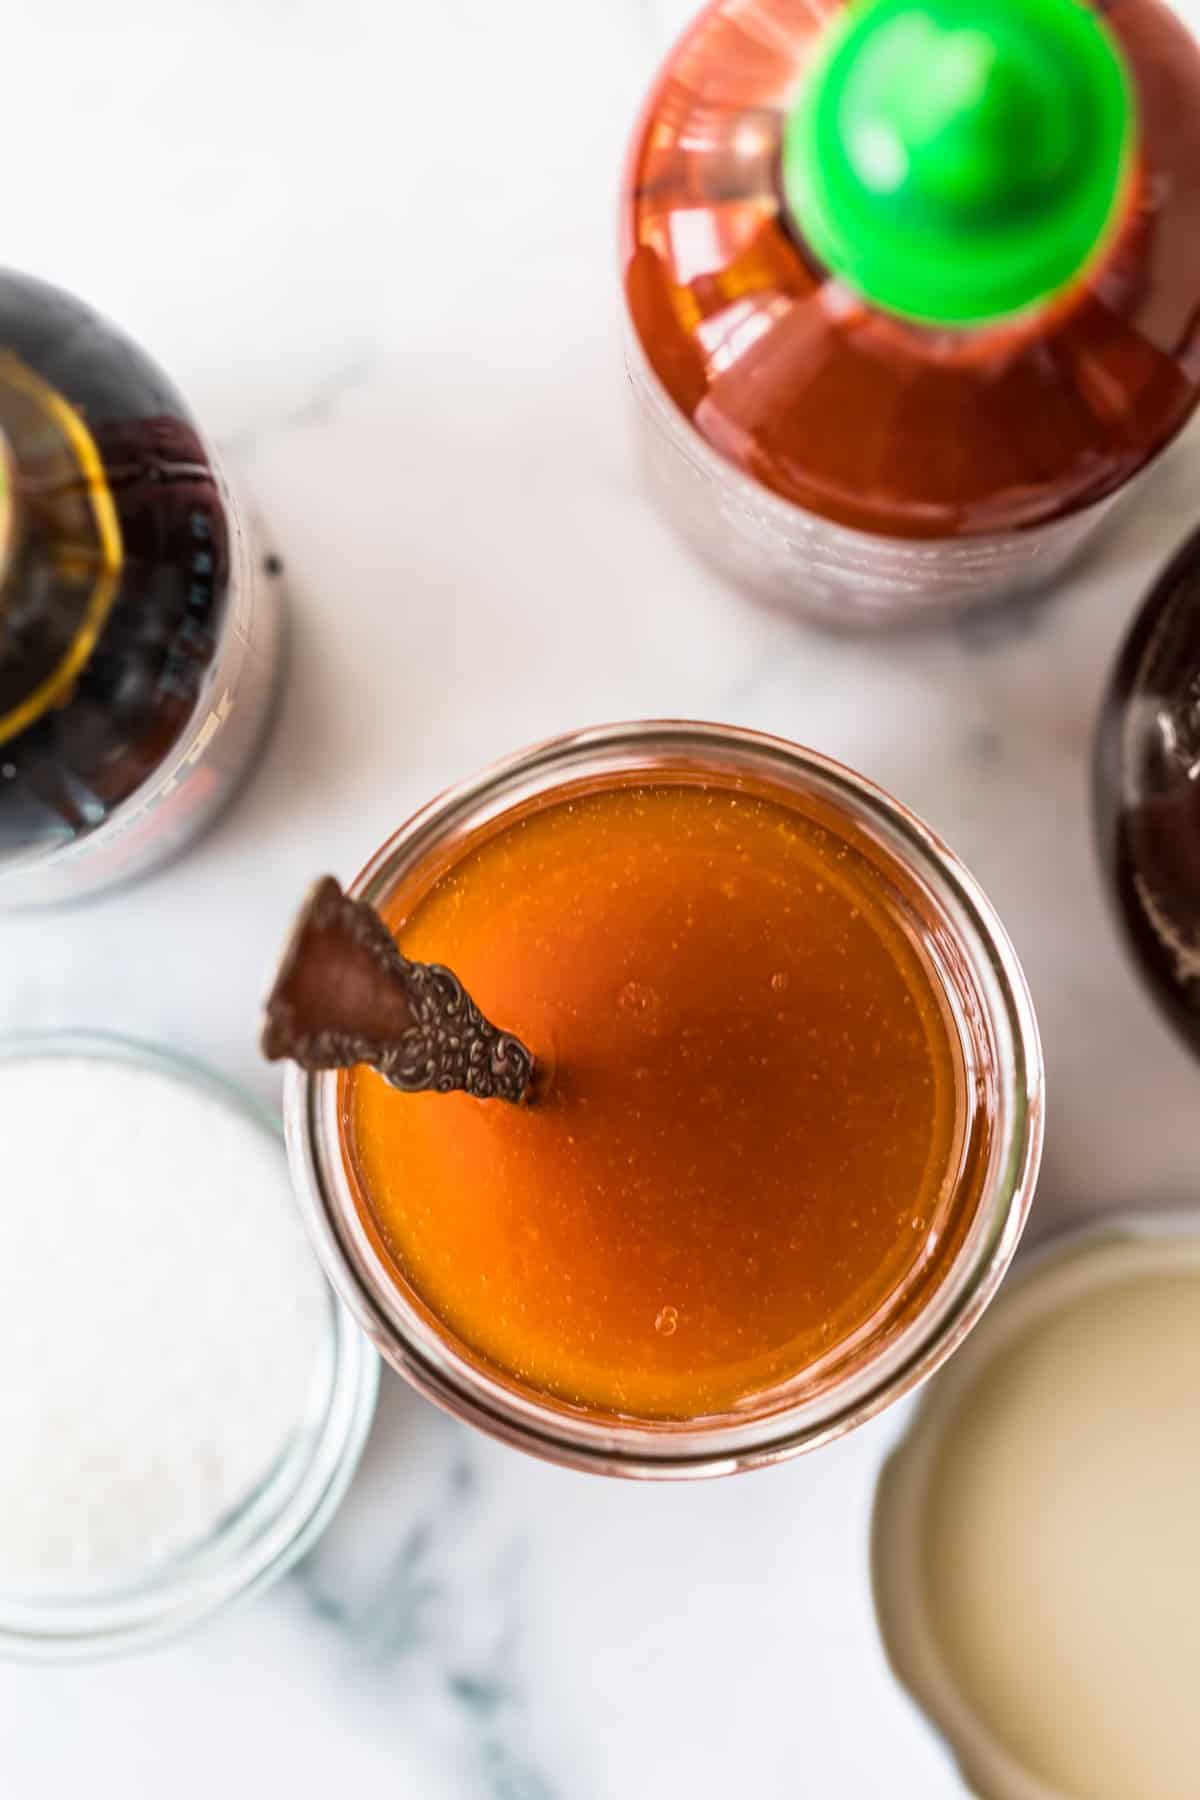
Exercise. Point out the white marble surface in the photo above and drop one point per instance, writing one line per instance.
(373, 242)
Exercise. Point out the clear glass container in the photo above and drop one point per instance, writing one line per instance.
(274, 1525)
(985, 996)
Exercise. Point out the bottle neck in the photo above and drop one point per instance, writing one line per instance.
(957, 162)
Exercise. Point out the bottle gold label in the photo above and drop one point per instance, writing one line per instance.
(56, 507)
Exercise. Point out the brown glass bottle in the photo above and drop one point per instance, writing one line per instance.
(1146, 789)
(849, 462)
(139, 631)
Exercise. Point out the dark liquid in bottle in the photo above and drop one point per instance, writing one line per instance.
(159, 626)
(865, 420)
(1147, 790)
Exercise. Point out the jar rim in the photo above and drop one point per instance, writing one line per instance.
(290, 1508)
(642, 1448)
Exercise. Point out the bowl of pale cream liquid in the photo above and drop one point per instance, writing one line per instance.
(1036, 1533)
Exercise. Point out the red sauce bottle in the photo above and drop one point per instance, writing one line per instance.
(912, 294)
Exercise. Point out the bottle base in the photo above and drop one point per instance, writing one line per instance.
(209, 765)
(829, 575)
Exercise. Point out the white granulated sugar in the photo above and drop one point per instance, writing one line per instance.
(161, 1318)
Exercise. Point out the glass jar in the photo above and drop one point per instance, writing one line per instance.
(986, 999)
(273, 1526)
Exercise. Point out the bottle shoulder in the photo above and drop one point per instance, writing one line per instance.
(95, 366)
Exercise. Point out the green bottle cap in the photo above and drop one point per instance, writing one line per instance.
(958, 160)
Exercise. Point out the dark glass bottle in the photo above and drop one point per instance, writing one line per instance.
(1146, 786)
(139, 630)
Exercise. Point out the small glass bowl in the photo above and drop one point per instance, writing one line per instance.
(277, 1522)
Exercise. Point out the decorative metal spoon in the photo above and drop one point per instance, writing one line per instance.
(344, 994)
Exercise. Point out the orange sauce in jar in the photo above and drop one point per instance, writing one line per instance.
(747, 1146)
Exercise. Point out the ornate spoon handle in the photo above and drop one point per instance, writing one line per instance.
(344, 994)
